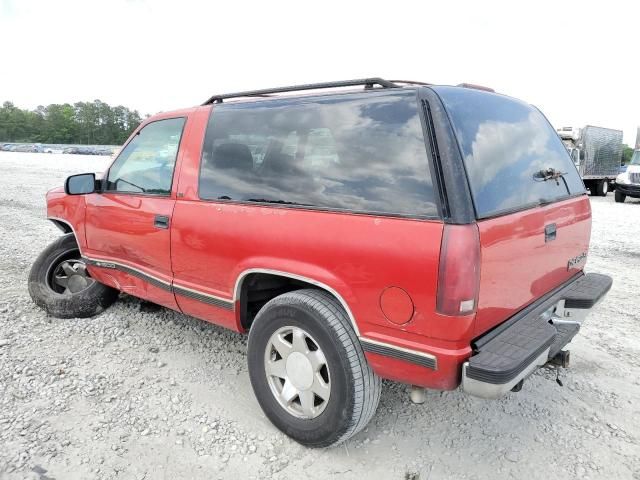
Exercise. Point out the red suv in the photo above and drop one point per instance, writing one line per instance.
(431, 235)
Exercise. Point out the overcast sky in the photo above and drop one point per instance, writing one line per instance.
(577, 61)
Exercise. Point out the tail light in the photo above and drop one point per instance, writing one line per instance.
(459, 270)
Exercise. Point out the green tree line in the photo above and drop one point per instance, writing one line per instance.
(89, 123)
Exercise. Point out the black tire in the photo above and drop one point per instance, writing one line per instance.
(602, 188)
(354, 388)
(85, 303)
(598, 188)
(619, 196)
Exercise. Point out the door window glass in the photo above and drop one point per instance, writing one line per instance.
(146, 164)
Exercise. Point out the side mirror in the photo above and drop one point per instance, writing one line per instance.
(80, 184)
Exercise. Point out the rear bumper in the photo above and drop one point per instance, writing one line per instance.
(515, 349)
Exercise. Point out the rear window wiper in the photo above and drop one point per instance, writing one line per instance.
(549, 174)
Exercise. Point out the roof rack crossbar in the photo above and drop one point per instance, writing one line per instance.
(367, 82)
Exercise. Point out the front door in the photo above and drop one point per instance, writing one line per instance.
(128, 224)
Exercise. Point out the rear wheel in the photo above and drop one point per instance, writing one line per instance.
(308, 369)
(601, 188)
(620, 197)
(60, 283)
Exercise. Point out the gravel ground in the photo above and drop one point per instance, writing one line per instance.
(139, 394)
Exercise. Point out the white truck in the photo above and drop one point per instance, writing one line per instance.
(628, 182)
(597, 154)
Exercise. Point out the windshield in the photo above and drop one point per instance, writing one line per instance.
(513, 157)
(635, 159)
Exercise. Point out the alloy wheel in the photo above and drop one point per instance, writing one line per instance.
(297, 372)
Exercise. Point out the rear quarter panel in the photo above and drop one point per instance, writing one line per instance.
(356, 255)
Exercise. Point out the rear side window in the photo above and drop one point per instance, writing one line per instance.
(361, 152)
(506, 144)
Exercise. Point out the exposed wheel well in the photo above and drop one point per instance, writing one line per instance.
(64, 226)
(258, 288)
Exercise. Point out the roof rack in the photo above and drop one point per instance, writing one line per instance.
(367, 82)
(410, 82)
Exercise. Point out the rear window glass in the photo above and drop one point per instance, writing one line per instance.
(362, 152)
(506, 144)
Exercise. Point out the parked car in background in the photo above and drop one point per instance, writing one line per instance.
(25, 148)
(352, 234)
(52, 149)
(86, 151)
(44, 148)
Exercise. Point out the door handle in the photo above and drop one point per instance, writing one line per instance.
(549, 232)
(161, 221)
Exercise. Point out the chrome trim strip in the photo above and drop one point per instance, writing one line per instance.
(163, 284)
(414, 356)
(105, 263)
(70, 226)
(423, 358)
(201, 293)
(241, 277)
(428, 358)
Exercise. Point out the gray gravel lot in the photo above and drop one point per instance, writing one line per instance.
(137, 394)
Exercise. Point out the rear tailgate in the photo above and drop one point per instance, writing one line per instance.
(533, 215)
(521, 263)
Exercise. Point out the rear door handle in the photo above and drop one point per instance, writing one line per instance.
(161, 221)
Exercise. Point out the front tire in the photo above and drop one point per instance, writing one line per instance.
(308, 370)
(60, 284)
(619, 197)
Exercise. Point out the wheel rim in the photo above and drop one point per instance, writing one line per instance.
(297, 372)
(68, 274)
(605, 188)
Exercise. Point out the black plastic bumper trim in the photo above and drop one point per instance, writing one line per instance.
(631, 190)
(505, 376)
(503, 353)
(201, 297)
(130, 271)
(387, 351)
(216, 302)
(587, 291)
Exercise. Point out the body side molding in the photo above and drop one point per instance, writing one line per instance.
(369, 345)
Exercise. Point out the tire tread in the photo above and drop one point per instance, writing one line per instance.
(367, 385)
